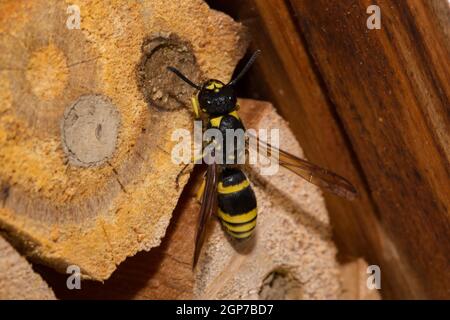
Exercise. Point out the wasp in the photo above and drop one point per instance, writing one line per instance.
(226, 191)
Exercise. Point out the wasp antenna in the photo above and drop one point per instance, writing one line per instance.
(184, 78)
(247, 66)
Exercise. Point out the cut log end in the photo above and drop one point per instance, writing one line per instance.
(89, 130)
(86, 118)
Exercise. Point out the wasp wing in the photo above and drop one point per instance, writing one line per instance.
(316, 175)
(209, 203)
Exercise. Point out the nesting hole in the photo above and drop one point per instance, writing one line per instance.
(280, 285)
(160, 87)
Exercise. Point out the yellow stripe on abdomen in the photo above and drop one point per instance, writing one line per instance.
(233, 188)
(244, 227)
(239, 218)
(240, 235)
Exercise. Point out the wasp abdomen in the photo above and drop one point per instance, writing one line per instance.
(237, 203)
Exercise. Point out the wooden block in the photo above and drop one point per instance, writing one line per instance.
(292, 255)
(165, 272)
(86, 117)
(17, 278)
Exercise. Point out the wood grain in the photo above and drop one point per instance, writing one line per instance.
(372, 105)
(354, 282)
(163, 273)
(391, 89)
(18, 280)
(291, 255)
(86, 176)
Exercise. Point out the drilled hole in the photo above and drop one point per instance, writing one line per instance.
(280, 285)
(161, 88)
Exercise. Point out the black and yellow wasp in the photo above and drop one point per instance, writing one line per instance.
(226, 189)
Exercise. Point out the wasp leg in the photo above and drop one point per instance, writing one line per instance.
(195, 106)
(201, 189)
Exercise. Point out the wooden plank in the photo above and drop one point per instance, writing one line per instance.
(391, 91)
(288, 75)
(285, 75)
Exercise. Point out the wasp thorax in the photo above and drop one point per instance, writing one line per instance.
(216, 98)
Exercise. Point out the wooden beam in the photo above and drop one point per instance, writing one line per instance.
(390, 88)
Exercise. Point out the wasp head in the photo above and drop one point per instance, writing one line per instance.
(216, 98)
